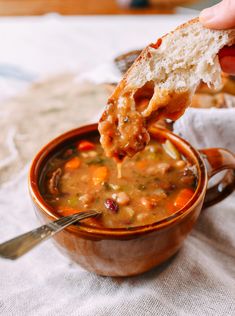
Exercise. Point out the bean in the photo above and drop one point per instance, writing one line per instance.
(142, 216)
(163, 167)
(92, 154)
(122, 198)
(188, 177)
(86, 199)
(129, 211)
(180, 164)
(111, 205)
(159, 169)
(148, 202)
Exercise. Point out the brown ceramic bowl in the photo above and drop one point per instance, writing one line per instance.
(121, 252)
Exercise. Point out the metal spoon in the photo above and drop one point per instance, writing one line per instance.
(18, 246)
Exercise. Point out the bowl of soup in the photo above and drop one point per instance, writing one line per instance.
(149, 203)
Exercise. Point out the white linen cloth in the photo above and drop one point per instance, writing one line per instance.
(206, 128)
(199, 280)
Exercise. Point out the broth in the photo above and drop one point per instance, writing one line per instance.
(154, 184)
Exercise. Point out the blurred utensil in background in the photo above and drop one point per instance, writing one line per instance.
(133, 3)
(90, 7)
(152, 3)
(124, 61)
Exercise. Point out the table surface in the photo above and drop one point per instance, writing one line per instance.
(198, 281)
(35, 47)
(70, 7)
(38, 7)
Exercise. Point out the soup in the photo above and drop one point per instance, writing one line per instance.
(149, 187)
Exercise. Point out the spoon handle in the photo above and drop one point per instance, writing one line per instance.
(18, 246)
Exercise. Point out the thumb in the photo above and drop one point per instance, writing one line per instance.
(219, 17)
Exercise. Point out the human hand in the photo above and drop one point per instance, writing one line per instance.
(222, 17)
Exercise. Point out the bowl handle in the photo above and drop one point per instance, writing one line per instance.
(216, 160)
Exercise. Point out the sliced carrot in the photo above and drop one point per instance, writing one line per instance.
(183, 197)
(171, 209)
(85, 145)
(72, 164)
(100, 174)
(141, 164)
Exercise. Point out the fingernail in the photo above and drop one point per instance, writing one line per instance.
(207, 15)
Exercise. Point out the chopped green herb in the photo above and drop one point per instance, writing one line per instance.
(73, 201)
(114, 186)
(111, 186)
(152, 155)
(129, 211)
(96, 161)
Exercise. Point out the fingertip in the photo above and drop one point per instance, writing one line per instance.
(227, 51)
(228, 64)
(219, 17)
(205, 16)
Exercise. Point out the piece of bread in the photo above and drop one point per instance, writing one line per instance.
(161, 83)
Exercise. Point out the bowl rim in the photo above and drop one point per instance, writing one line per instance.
(98, 232)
